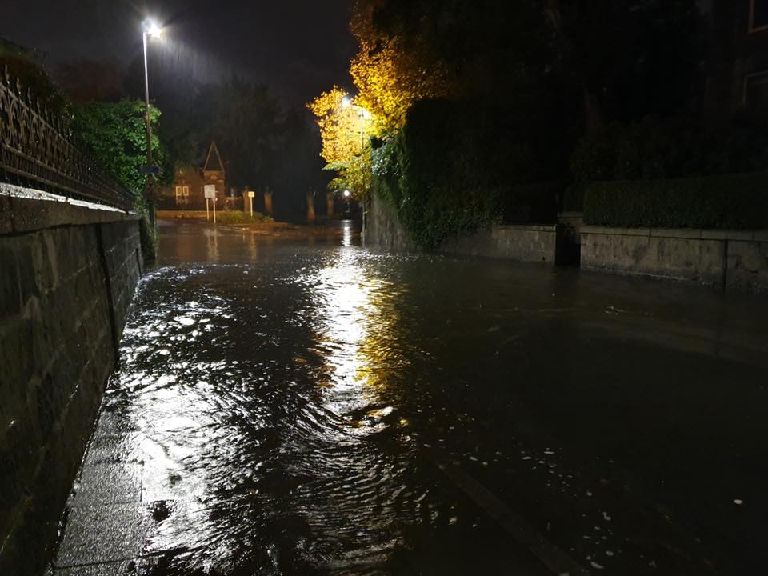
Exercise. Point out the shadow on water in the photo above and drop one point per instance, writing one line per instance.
(295, 405)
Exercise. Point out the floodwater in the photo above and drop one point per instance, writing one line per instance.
(314, 407)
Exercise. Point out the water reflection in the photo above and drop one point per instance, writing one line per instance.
(347, 229)
(347, 299)
(294, 409)
(212, 236)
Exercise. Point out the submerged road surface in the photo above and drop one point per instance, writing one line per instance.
(300, 408)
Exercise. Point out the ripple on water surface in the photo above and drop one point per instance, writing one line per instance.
(259, 399)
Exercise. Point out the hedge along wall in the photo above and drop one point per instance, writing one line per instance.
(733, 201)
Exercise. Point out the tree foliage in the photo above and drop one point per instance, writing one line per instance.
(344, 125)
(478, 105)
(346, 129)
(388, 76)
(115, 133)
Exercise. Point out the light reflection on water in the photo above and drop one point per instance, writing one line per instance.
(346, 299)
(253, 391)
(292, 406)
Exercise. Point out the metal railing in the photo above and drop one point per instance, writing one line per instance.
(36, 151)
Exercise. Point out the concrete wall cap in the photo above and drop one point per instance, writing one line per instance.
(616, 231)
(526, 227)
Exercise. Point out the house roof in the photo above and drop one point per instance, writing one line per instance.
(213, 160)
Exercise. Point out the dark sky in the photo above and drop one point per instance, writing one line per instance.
(299, 47)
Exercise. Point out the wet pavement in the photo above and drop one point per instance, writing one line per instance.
(314, 408)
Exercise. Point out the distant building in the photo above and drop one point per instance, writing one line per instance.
(737, 64)
(187, 190)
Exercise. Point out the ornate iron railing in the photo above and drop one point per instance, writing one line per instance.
(35, 150)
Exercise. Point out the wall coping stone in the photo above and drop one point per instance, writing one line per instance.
(526, 227)
(682, 233)
(19, 215)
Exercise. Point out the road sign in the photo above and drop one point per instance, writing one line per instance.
(210, 191)
(251, 194)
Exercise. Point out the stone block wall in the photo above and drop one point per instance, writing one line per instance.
(522, 243)
(382, 228)
(719, 258)
(64, 294)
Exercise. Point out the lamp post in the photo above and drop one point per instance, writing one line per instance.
(362, 114)
(150, 29)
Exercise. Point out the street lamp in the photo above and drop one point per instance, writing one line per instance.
(150, 29)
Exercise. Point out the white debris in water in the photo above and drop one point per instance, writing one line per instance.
(184, 320)
(453, 520)
(606, 517)
(738, 502)
(596, 566)
(609, 552)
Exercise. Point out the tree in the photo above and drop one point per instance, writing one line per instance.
(115, 133)
(345, 129)
(388, 75)
(344, 125)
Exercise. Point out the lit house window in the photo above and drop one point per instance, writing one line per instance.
(182, 193)
(756, 92)
(758, 15)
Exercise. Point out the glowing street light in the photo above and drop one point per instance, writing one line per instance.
(347, 193)
(152, 29)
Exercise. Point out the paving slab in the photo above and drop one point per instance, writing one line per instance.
(101, 534)
(124, 568)
(109, 483)
(114, 449)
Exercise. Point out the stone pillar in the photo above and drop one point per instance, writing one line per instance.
(310, 207)
(268, 203)
(330, 201)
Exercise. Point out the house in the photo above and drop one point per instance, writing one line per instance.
(188, 188)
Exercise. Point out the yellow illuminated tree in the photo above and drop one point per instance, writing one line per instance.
(345, 129)
(344, 125)
(389, 78)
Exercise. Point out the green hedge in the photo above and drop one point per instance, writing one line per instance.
(457, 167)
(734, 201)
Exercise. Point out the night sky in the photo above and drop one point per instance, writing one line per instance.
(298, 47)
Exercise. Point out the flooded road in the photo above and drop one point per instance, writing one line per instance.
(314, 408)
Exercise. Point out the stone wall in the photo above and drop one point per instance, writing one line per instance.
(382, 228)
(67, 277)
(524, 243)
(720, 258)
